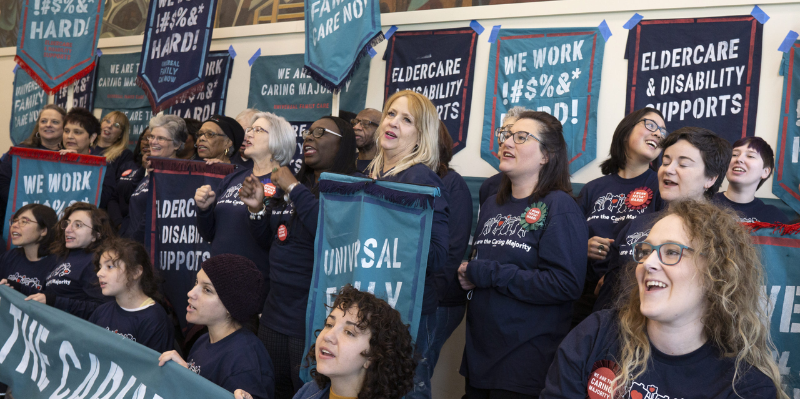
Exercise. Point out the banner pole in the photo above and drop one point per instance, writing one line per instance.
(335, 105)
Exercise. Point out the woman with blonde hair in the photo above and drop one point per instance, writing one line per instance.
(691, 324)
(408, 152)
(112, 143)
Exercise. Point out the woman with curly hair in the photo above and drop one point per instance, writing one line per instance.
(691, 325)
(364, 351)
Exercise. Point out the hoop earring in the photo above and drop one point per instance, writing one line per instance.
(416, 147)
(37, 134)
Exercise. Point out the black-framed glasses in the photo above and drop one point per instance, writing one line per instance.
(255, 129)
(365, 123)
(208, 134)
(520, 137)
(318, 132)
(77, 225)
(669, 253)
(652, 126)
(23, 221)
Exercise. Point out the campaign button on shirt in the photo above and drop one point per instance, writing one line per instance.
(127, 172)
(282, 232)
(533, 215)
(269, 189)
(601, 380)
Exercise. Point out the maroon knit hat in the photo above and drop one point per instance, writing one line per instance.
(238, 282)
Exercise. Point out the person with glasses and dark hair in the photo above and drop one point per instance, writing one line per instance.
(628, 189)
(751, 165)
(219, 140)
(72, 285)
(693, 165)
(528, 265)
(285, 223)
(269, 144)
(691, 321)
(364, 125)
(491, 185)
(25, 267)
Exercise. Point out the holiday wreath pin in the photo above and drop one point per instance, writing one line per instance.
(534, 216)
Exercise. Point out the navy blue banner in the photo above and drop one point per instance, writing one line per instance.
(440, 65)
(82, 93)
(700, 72)
(210, 101)
(175, 49)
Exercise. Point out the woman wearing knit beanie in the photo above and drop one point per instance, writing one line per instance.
(226, 295)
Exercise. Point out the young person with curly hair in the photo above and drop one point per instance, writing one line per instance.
(364, 351)
(691, 324)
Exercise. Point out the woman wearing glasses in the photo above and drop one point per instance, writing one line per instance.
(690, 322)
(219, 140)
(285, 222)
(529, 266)
(112, 143)
(270, 144)
(628, 189)
(693, 166)
(72, 285)
(167, 137)
(32, 230)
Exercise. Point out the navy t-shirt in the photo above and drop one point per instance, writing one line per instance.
(489, 187)
(361, 165)
(526, 281)
(130, 177)
(604, 202)
(148, 325)
(704, 373)
(225, 223)
(74, 286)
(238, 361)
(754, 211)
(137, 215)
(458, 227)
(113, 173)
(25, 276)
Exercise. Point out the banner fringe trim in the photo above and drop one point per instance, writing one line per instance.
(784, 229)
(156, 108)
(56, 156)
(183, 165)
(72, 79)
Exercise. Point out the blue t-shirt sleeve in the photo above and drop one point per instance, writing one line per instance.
(306, 206)
(157, 334)
(94, 297)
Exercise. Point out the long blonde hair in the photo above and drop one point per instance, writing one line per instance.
(426, 121)
(115, 150)
(734, 320)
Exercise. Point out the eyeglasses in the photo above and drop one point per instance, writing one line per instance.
(161, 140)
(77, 225)
(520, 137)
(318, 132)
(652, 126)
(669, 253)
(208, 134)
(23, 221)
(115, 124)
(365, 123)
(255, 129)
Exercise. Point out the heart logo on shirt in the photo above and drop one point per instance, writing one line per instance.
(636, 395)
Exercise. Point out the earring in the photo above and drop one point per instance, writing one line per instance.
(37, 134)
(416, 147)
(226, 151)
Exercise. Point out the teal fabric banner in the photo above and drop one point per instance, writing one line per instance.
(779, 254)
(279, 85)
(551, 70)
(29, 99)
(339, 34)
(52, 179)
(375, 236)
(787, 170)
(47, 353)
(116, 83)
(58, 39)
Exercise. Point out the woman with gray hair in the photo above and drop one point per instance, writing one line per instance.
(167, 136)
(270, 144)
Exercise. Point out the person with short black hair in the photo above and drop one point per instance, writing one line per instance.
(81, 128)
(25, 268)
(365, 124)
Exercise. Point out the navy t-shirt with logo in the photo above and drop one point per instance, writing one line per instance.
(25, 276)
(754, 211)
(526, 281)
(129, 179)
(148, 325)
(74, 285)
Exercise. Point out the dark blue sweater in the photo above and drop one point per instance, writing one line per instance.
(130, 177)
(149, 326)
(525, 283)
(137, 215)
(489, 187)
(754, 211)
(225, 224)
(701, 374)
(437, 254)
(25, 276)
(113, 171)
(73, 286)
(238, 361)
(458, 226)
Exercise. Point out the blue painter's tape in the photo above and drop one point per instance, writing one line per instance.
(372, 52)
(231, 51)
(16, 66)
(98, 53)
(633, 21)
(390, 32)
(495, 32)
(788, 41)
(759, 15)
(253, 58)
(604, 30)
(475, 25)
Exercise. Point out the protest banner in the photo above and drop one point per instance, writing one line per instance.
(116, 83)
(48, 353)
(210, 101)
(139, 120)
(52, 179)
(177, 39)
(82, 93)
(29, 99)
(387, 259)
(438, 64)
(279, 85)
(58, 40)
(787, 172)
(550, 70)
(339, 34)
(171, 236)
(297, 160)
(701, 72)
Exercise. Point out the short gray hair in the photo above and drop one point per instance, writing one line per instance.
(174, 124)
(282, 142)
(514, 112)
